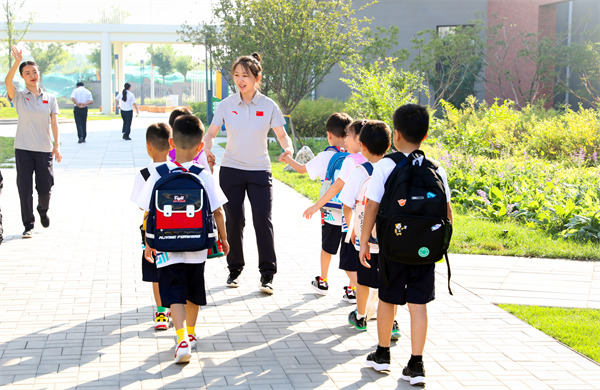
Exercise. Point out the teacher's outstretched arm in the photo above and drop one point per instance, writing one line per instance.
(285, 141)
(209, 138)
(10, 88)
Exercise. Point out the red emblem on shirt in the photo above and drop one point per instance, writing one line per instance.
(27, 99)
(259, 113)
(235, 112)
(45, 101)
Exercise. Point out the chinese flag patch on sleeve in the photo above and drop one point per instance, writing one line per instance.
(259, 113)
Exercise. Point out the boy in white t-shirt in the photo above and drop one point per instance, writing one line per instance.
(348, 254)
(374, 142)
(331, 231)
(181, 274)
(157, 146)
(404, 283)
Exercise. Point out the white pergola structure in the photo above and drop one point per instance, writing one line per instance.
(106, 34)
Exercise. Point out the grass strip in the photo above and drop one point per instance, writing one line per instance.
(577, 328)
(7, 148)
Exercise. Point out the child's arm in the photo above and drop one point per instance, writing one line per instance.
(335, 188)
(287, 158)
(450, 214)
(368, 223)
(348, 216)
(220, 220)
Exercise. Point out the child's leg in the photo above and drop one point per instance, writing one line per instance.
(385, 322)
(325, 260)
(178, 315)
(362, 296)
(352, 277)
(191, 314)
(418, 327)
(156, 294)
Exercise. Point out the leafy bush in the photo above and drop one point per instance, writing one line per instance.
(309, 116)
(555, 197)
(501, 129)
(155, 102)
(379, 89)
(199, 110)
(4, 102)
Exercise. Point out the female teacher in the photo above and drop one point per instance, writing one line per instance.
(126, 102)
(246, 168)
(38, 113)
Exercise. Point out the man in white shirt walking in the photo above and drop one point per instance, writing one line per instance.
(82, 98)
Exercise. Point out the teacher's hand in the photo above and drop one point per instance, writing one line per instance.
(283, 155)
(17, 54)
(56, 154)
(210, 157)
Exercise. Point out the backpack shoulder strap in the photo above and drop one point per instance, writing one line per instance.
(368, 167)
(334, 148)
(196, 169)
(163, 170)
(145, 173)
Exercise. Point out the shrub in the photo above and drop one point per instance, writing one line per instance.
(309, 116)
(199, 110)
(4, 102)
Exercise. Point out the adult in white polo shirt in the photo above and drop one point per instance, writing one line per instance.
(82, 98)
(246, 168)
(126, 102)
(38, 113)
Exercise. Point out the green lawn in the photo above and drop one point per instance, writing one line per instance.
(7, 149)
(577, 328)
(94, 114)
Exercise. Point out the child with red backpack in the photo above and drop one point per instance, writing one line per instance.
(409, 198)
(184, 205)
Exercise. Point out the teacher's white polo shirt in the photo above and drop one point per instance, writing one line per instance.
(247, 128)
(33, 126)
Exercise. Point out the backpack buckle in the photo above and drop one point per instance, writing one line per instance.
(190, 211)
(168, 210)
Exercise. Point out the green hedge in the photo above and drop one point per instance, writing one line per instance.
(199, 110)
(310, 116)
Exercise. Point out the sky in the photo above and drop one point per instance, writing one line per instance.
(134, 11)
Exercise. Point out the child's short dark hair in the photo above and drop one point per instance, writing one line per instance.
(178, 111)
(187, 132)
(376, 136)
(336, 124)
(412, 121)
(158, 135)
(355, 127)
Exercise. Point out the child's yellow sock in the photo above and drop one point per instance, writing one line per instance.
(191, 330)
(181, 335)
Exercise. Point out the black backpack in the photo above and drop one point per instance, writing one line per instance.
(412, 221)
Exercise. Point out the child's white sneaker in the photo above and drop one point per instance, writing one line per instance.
(193, 340)
(182, 352)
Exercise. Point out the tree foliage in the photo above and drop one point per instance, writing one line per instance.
(299, 41)
(163, 57)
(183, 64)
(48, 55)
(380, 88)
(11, 10)
(450, 61)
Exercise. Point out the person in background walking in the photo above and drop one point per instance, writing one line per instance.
(82, 98)
(34, 151)
(126, 102)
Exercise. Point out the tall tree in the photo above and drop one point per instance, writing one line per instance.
(183, 64)
(299, 41)
(163, 57)
(47, 56)
(450, 60)
(13, 36)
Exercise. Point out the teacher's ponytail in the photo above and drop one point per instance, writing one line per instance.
(127, 86)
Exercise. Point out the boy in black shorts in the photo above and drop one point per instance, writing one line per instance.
(181, 274)
(374, 141)
(157, 146)
(412, 284)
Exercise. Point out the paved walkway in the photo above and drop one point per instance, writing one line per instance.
(75, 313)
